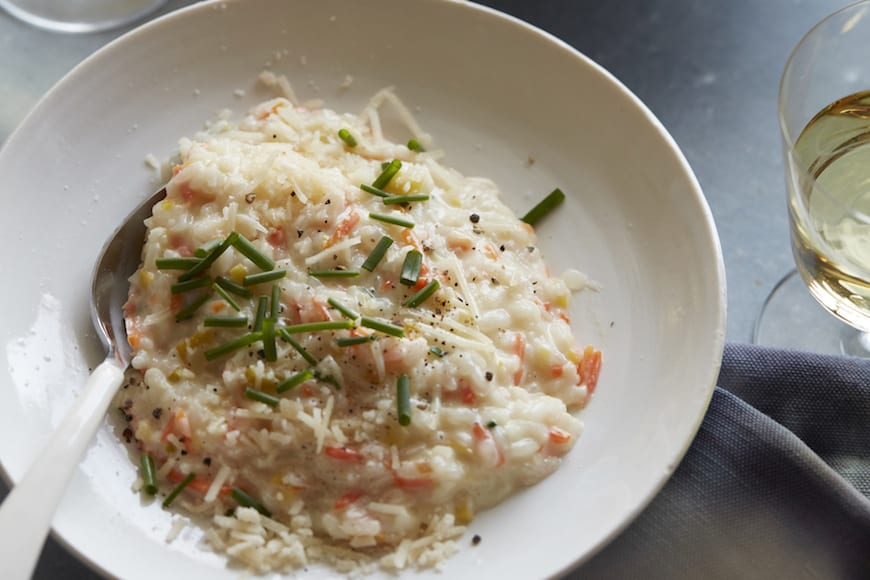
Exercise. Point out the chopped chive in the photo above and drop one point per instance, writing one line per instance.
(334, 273)
(411, 268)
(318, 326)
(544, 207)
(399, 199)
(245, 500)
(203, 250)
(491, 424)
(226, 296)
(188, 311)
(208, 259)
(261, 277)
(176, 263)
(389, 219)
(282, 332)
(415, 145)
(275, 303)
(270, 352)
(294, 381)
(387, 174)
(403, 400)
(424, 293)
(382, 326)
(328, 379)
(345, 136)
(233, 345)
(377, 253)
(178, 489)
(188, 285)
(248, 250)
(373, 190)
(353, 340)
(437, 351)
(146, 472)
(342, 308)
(262, 304)
(384, 165)
(262, 397)
(225, 321)
(231, 286)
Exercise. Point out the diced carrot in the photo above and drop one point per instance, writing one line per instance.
(217, 306)
(346, 222)
(348, 498)
(344, 453)
(468, 395)
(565, 317)
(556, 370)
(423, 278)
(276, 237)
(559, 436)
(187, 193)
(323, 309)
(176, 302)
(487, 446)
(520, 350)
(490, 251)
(413, 482)
(459, 245)
(271, 111)
(589, 368)
(411, 240)
(134, 331)
(176, 169)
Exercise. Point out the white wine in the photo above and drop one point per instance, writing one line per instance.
(829, 201)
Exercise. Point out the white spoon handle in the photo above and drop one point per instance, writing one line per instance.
(26, 514)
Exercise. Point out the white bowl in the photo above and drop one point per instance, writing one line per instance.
(494, 93)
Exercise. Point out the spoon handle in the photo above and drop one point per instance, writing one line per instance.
(26, 514)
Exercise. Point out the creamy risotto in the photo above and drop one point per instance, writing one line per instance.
(343, 349)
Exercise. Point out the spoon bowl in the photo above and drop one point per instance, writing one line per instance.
(26, 514)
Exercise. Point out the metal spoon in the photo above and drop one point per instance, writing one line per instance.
(26, 514)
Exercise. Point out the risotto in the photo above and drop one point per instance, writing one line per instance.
(343, 349)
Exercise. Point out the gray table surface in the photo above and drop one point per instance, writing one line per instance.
(709, 70)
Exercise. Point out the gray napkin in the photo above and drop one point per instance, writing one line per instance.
(775, 485)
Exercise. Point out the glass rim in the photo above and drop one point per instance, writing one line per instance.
(787, 136)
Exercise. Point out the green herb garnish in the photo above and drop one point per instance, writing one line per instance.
(387, 174)
(245, 500)
(382, 326)
(146, 472)
(411, 268)
(261, 277)
(176, 263)
(345, 311)
(294, 381)
(262, 397)
(345, 136)
(233, 345)
(334, 273)
(544, 207)
(424, 293)
(225, 321)
(377, 253)
(403, 400)
(178, 489)
(389, 219)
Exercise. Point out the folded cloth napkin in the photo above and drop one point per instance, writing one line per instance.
(775, 484)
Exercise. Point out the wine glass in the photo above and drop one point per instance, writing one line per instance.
(824, 117)
(80, 15)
